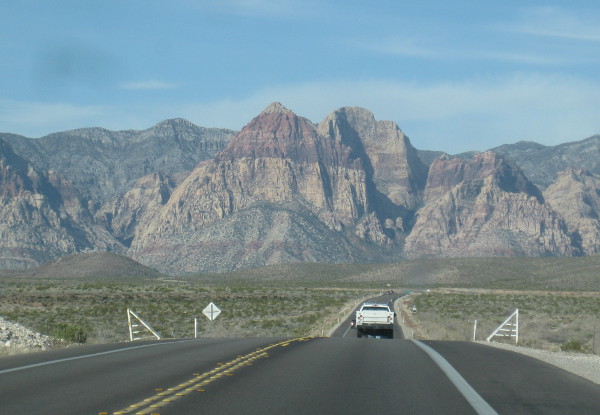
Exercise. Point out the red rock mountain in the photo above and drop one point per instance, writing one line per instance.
(485, 207)
(281, 170)
(181, 198)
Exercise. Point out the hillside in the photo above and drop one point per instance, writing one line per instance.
(90, 265)
(552, 274)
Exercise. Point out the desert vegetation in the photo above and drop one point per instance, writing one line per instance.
(95, 311)
(558, 299)
(548, 320)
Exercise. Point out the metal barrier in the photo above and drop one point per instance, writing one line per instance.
(135, 328)
(508, 328)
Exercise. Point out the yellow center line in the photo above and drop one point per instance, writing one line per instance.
(197, 383)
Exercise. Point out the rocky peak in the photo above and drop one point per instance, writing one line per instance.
(446, 172)
(96, 135)
(276, 108)
(279, 133)
(278, 159)
(542, 163)
(388, 154)
(173, 126)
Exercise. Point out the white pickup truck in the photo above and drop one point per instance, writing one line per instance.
(375, 319)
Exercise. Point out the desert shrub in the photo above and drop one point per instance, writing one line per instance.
(572, 346)
(71, 333)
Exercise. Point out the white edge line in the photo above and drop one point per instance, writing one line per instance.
(470, 394)
(66, 359)
(346, 332)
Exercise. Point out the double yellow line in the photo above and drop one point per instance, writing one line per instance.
(150, 405)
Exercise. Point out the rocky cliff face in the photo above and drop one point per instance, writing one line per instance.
(278, 159)
(386, 152)
(485, 207)
(575, 195)
(182, 198)
(136, 207)
(42, 216)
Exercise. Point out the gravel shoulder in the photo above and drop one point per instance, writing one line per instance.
(584, 365)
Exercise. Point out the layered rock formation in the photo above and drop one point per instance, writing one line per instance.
(386, 152)
(125, 213)
(42, 216)
(485, 207)
(279, 161)
(183, 198)
(575, 195)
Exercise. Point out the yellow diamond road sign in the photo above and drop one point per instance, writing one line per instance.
(211, 311)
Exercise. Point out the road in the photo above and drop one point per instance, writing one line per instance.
(338, 375)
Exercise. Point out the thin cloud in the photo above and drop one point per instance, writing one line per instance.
(558, 23)
(450, 116)
(524, 58)
(413, 48)
(257, 8)
(149, 85)
(400, 47)
(35, 119)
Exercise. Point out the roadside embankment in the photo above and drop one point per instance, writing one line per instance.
(581, 364)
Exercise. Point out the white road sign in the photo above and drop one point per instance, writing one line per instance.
(211, 311)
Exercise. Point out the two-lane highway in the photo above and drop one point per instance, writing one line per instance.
(298, 376)
(337, 375)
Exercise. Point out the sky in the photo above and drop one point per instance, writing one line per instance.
(455, 76)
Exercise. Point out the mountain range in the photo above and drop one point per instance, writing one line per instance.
(181, 198)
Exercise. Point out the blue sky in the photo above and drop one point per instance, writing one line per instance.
(455, 76)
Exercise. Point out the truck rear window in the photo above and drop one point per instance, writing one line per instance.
(375, 309)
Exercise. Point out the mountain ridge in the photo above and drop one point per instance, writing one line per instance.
(284, 189)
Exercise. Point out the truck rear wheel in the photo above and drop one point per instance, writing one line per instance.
(359, 333)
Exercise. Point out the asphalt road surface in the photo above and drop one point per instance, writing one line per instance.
(338, 375)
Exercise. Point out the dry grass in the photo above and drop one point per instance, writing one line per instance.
(547, 320)
(169, 307)
(296, 299)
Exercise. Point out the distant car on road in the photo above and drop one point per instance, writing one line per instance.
(375, 319)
